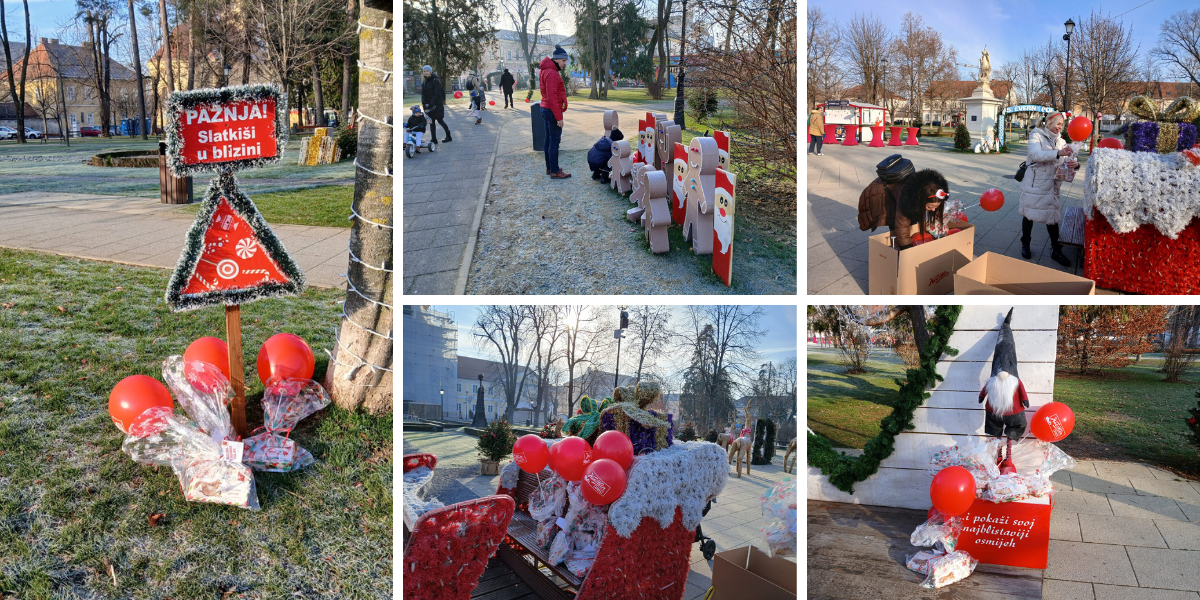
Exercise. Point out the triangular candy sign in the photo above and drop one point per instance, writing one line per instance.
(231, 256)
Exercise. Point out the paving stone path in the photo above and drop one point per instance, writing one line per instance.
(734, 521)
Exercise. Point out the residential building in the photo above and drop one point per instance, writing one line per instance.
(430, 361)
(53, 64)
(943, 99)
(8, 116)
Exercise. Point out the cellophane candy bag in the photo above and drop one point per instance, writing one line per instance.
(919, 562)
(938, 528)
(582, 530)
(160, 437)
(978, 457)
(203, 392)
(1007, 488)
(285, 403)
(945, 570)
(779, 506)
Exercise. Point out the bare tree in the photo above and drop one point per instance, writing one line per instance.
(292, 33)
(505, 328)
(728, 336)
(1105, 58)
(866, 41)
(920, 56)
(546, 332)
(1183, 325)
(17, 90)
(167, 40)
(1050, 60)
(527, 17)
(1024, 77)
(1179, 44)
(658, 42)
(98, 17)
(824, 75)
(584, 338)
(649, 334)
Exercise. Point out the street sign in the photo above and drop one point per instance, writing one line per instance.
(225, 129)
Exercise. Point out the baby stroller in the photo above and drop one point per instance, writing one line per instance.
(428, 142)
(708, 547)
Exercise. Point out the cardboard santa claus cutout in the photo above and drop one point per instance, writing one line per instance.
(641, 142)
(678, 195)
(1004, 393)
(722, 138)
(650, 155)
(723, 227)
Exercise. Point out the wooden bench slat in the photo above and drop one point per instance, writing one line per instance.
(535, 579)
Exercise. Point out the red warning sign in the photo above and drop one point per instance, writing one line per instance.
(227, 132)
(232, 258)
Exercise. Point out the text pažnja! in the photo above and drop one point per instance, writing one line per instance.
(227, 114)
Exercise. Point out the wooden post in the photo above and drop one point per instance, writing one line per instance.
(233, 337)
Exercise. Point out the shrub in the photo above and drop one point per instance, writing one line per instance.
(496, 441)
(347, 141)
(702, 102)
(688, 434)
(962, 138)
(711, 436)
(548, 432)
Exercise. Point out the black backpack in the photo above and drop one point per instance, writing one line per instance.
(1020, 176)
(470, 85)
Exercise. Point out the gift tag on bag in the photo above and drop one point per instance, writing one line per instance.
(232, 451)
(281, 454)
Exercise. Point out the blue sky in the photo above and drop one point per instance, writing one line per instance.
(777, 345)
(1012, 25)
(46, 17)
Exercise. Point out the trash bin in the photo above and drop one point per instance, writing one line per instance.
(174, 190)
(539, 128)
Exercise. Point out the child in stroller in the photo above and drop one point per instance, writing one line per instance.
(414, 131)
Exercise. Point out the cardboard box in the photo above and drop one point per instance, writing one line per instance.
(1016, 534)
(749, 573)
(998, 274)
(925, 269)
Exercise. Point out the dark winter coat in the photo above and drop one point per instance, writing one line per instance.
(433, 97)
(877, 207)
(600, 153)
(416, 123)
(507, 81)
(554, 93)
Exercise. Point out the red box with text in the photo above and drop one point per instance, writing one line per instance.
(1016, 534)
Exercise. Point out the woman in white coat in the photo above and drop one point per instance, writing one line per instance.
(1040, 201)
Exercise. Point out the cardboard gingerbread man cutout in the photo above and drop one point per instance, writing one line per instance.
(667, 134)
(723, 139)
(657, 218)
(610, 122)
(622, 167)
(700, 187)
(678, 173)
(723, 226)
(638, 196)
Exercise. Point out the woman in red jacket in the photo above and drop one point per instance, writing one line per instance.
(554, 103)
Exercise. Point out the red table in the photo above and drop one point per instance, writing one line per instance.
(851, 138)
(912, 137)
(895, 141)
(877, 136)
(830, 134)
(1143, 261)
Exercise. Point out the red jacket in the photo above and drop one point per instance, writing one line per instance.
(554, 94)
(1020, 399)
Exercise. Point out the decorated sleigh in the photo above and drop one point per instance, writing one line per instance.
(447, 548)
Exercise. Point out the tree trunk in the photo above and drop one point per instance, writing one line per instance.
(360, 372)
(347, 60)
(318, 96)
(162, 12)
(197, 25)
(137, 63)
(106, 90)
(17, 96)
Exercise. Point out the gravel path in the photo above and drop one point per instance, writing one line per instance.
(543, 236)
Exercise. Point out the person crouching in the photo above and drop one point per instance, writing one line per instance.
(600, 154)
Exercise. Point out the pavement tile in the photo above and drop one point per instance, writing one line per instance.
(1120, 592)
(1095, 563)
(1093, 483)
(1062, 481)
(1190, 508)
(1179, 536)
(1164, 487)
(1057, 589)
(1065, 526)
(1121, 471)
(1081, 502)
(1123, 531)
(1167, 569)
(1145, 507)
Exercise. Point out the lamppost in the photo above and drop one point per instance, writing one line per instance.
(228, 71)
(442, 400)
(679, 100)
(1070, 25)
(620, 334)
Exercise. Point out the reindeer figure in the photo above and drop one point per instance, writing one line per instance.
(740, 448)
(791, 451)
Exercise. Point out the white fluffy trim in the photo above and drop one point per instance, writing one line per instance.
(1000, 390)
(509, 475)
(1138, 188)
(687, 475)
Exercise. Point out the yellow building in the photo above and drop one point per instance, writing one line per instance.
(77, 104)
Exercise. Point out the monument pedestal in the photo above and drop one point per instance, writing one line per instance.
(982, 111)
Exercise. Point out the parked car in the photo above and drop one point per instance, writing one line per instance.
(7, 133)
(937, 124)
(89, 131)
(32, 134)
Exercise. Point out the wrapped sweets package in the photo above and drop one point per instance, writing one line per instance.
(779, 505)
(945, 570)
(919, 562)
(206, 403)
(160, 437)
(285, 404)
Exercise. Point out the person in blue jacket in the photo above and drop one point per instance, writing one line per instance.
(600, 154)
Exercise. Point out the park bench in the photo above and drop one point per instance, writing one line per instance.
(447, 549)
(1071, 231)
(522, 538)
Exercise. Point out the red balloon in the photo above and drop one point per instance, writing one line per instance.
(921, 238)
(1053, 422)
(132, 396)
(1111, 142)
(458, 94)
(527, 101)
(954, 231)
(492, 102)
(531, 454)
(1079, 129)
(614, 446)
(568, 457)
(209, 350)
(992, 200)
(603, 482)
(952, 491)
(285, 356)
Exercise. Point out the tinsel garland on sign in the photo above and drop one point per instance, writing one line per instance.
(225, 186)
(844, 470)
(180, 102)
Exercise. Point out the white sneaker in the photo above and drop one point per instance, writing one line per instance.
(820, 154)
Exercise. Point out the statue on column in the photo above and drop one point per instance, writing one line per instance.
(985, 69)
(480, 419)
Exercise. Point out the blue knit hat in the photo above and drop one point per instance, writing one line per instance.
(559, 53)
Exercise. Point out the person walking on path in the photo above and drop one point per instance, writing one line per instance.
(433, 97)
(1040, 190)
(506, 85)
(554, 104)
(816, 128)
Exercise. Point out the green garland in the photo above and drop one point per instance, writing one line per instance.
(844, 470)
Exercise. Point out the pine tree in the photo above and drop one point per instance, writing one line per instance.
(962, 138)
